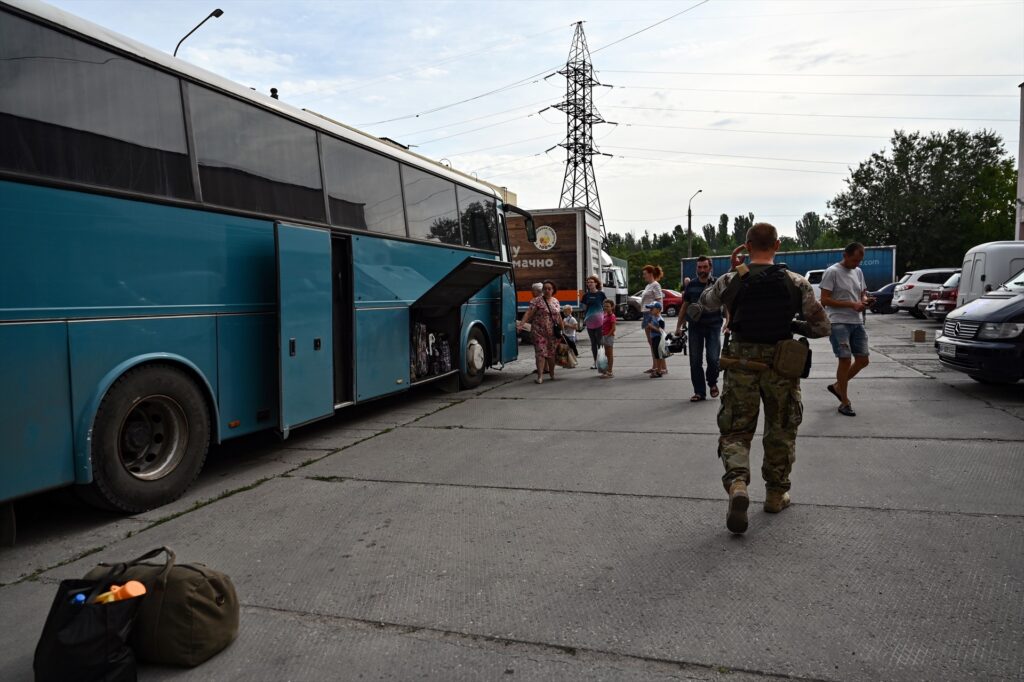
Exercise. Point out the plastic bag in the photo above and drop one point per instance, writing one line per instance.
(602, 360)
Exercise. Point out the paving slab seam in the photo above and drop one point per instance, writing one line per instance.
(512, 642)
(554, 427)
(959, 389)
(647, 496)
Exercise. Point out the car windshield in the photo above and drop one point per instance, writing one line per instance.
(1015, 283)
(952, 282)
(814, 276)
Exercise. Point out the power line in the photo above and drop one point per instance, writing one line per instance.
(817, 75)
(809, 92)
(473, 130)
(734, 156)
(772, 113)
(475, 118)
(498, 146)
(648, 28)
(529, 80)
(759, 132)
(733, 165)
(700, 215)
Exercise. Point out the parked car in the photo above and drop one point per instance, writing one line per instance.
(914, 285)
(985, 338)
(942, 301)
(883, 299)
(814, 277)
(670, 305)
(986, 266)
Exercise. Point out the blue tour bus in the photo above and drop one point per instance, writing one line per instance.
(185, 261)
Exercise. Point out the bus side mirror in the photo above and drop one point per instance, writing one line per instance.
(531, 231)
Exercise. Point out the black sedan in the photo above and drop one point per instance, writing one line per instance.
(883, 299)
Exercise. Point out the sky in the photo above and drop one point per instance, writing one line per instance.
(763, 105)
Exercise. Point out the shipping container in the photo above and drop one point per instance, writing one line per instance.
(879, 264)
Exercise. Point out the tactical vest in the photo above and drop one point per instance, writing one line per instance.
(763, 308)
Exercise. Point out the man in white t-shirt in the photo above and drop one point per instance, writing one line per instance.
(844, 295)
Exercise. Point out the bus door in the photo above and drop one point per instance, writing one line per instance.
(344, 322)
(305, 325)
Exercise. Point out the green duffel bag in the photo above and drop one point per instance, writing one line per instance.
(188, 614)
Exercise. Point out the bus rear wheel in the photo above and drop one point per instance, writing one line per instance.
(150, 439)
(471, 373)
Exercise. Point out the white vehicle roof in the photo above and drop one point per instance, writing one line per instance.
(167, 62)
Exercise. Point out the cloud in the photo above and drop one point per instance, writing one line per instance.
(724, 122)
(810, 53)
(430, 73)
(242, 62)
(424, 32)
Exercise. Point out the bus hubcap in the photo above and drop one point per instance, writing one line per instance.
(474, 357)
(153, 437)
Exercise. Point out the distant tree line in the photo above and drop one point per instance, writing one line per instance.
(934, 196)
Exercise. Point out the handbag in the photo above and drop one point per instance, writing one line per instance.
(83, 641)
(189, 613)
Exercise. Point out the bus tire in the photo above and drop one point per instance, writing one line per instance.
(471, 370)
(150, 439)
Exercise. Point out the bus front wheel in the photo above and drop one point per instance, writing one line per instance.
(474, 359)
(150, 439)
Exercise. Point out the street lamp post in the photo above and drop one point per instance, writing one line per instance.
(689, 225)
(212, 15)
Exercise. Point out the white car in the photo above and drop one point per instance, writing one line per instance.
(914, 287)
(814, 277)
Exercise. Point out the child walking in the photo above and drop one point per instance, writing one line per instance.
(608, 336)
(569, 327)
(656, 327)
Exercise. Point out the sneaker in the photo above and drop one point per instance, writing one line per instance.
(593, 367)
(736, 519)
(847, 410)
(776, 501)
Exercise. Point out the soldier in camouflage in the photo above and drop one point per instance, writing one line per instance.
(762, 300)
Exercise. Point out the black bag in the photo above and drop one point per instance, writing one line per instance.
(84, 642)
(807, 365)
(189, 613)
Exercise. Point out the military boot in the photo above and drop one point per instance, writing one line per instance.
(776, 501)
(736, 519)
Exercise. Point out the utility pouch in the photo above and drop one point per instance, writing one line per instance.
(792, 358)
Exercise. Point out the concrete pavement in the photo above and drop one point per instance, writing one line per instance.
(575, 530)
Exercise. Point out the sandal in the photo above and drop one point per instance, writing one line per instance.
(696, 398)
(607, 375)
(655, 375)
(538, 381)
(714, 391)
(832, 389)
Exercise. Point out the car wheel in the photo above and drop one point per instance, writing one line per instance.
(917, 313)
(671, 311)
(150, 438)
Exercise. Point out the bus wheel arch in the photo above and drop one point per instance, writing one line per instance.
(150, 434)
(475, 357)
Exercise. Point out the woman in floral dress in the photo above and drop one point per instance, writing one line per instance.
(544, 317)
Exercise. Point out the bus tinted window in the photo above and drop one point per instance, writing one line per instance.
(254, 160)
(72, 111)
(430, 206)
(479, 219)
(364, 188)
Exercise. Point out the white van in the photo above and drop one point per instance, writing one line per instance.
(986, 266)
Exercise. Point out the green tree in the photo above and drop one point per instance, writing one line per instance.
(934, 196)
(740, 225)
(723, 229)
(710, 236)
(810, 228)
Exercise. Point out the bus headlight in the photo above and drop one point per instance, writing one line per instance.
(1000, 330)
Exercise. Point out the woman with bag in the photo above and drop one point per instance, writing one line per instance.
(544, 318)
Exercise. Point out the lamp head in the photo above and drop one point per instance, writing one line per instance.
(216, 13)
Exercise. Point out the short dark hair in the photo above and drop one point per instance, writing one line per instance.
(852, 248)
(762, 236)
(701, 259)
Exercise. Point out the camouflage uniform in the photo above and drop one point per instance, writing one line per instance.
(745, 389)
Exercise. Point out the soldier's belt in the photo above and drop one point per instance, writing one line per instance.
(743, 363)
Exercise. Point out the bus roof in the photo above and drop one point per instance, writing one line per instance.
(167, 62)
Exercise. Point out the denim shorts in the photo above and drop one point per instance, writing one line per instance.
(849, 340)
